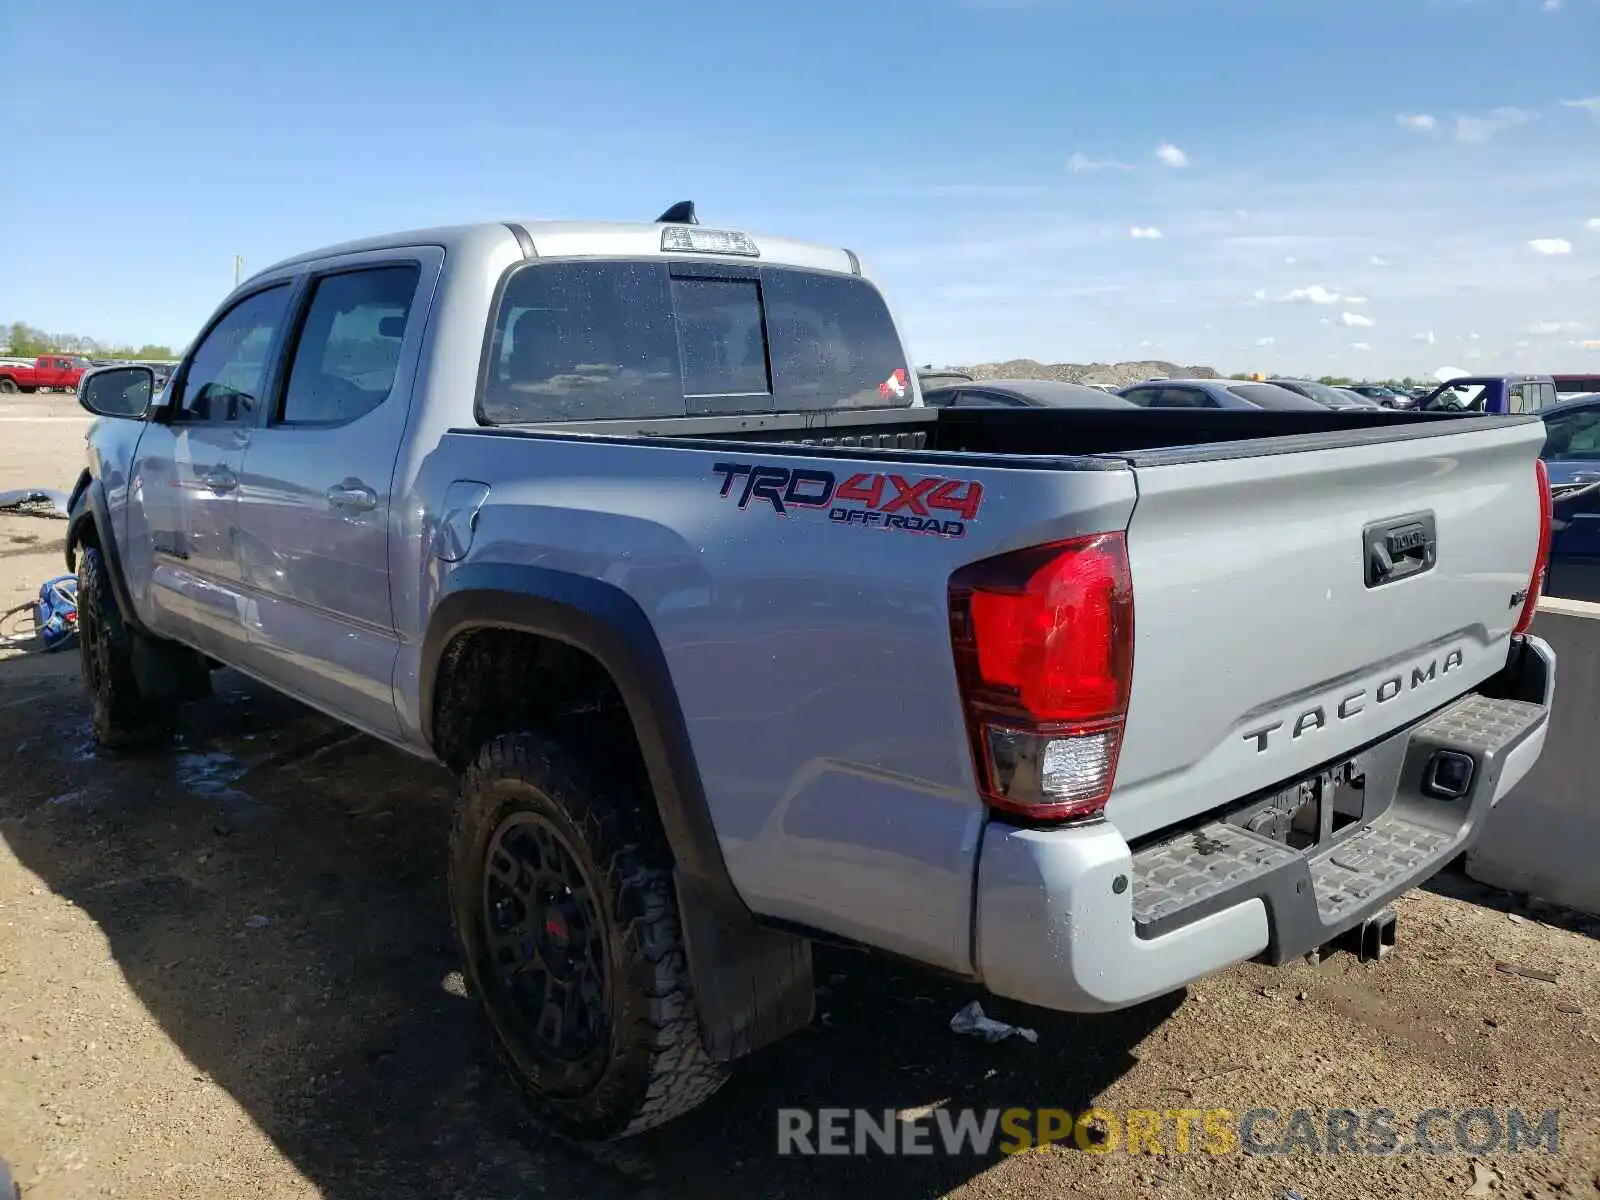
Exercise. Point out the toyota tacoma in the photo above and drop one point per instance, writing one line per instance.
(645, 532)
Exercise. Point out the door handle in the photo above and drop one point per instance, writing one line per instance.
(220, 479)
(353, 496)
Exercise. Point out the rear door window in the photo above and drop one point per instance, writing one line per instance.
(1517, 399)
(349, 345)
(1182, 397)
(599, 340)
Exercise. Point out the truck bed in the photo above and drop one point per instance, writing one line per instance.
(1135, 436)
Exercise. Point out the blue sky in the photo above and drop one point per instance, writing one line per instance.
(1363, 186)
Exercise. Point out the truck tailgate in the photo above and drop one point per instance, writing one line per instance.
(1265, 644)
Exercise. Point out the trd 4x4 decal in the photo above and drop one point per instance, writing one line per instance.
(876, 500)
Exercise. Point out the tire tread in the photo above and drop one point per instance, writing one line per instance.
(662, 1031)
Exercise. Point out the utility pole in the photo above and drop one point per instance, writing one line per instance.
(238, 269)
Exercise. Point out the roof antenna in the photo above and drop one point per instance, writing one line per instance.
(681, 213)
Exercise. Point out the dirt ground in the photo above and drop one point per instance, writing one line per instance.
(225, 971)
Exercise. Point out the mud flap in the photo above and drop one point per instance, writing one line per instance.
(753, 986)
(167, 673)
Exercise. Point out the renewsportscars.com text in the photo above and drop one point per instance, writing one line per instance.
(1213, 1131)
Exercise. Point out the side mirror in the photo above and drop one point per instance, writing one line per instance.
(117, 391)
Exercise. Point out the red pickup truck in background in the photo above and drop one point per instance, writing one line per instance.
(60, 371)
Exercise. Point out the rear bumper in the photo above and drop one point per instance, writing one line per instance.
(1076, 920)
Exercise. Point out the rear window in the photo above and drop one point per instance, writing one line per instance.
(1265, 395)
(600, 340)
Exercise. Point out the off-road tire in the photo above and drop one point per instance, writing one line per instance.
(655, 1065)
(123, 718)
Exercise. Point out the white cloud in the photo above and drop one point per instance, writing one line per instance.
(1426, 338)
(1592, 103)
(1477, 130)
(1593, 223)
(1587, 344)
(1377, 261)
(1465, 270)
(1356, 320)
(1418, 122)
(1290, 261)
(1472, 337)
(1551, 328)
(1357, 300)
(1080, 163)
(1144, 232)
(1171, 156)
(1551, 6)
(1550, 246)
(1266, 341)
(1241, 214)
(1361, 345)
(1315, 294)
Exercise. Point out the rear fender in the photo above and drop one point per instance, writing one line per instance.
(752, 985)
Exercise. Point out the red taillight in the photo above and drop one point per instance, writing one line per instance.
(1541, 561)
(1043, 640)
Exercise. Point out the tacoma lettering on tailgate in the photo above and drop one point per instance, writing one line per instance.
(1321, 716)
(875, 500)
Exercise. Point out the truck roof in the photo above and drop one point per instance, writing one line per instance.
(588, 239)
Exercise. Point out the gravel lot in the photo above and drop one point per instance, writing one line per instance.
(225, 971)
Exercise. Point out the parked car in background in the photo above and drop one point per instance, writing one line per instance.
(927, 378)
(1357, 399)
(1020, 393)
(1323, 395)
(59, 371)
(1500, 394)
(1572, 458)
(163, 371)
(1214, 393)
(1385, 395)
(1570, 386)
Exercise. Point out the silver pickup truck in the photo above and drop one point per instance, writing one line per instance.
(644, 530)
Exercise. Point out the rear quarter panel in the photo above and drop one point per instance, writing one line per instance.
(811, 658)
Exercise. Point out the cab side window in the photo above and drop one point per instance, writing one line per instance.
(224, 381)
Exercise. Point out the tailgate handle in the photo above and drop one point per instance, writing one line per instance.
(1400, 548)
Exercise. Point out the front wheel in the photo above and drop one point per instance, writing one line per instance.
(567, 921)
(122, 717)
